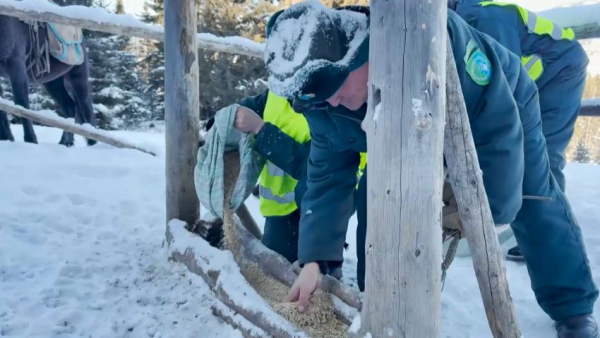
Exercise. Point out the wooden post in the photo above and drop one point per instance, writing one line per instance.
(474, 210)
(182, 108)
(405, 127)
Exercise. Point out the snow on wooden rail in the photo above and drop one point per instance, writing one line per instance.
(49, 118)
(98, 19)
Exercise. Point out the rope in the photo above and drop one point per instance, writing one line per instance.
(39, 56)
(454, 236)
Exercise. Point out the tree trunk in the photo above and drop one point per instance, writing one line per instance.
(474, 210)
(405, 127)
(182, 107)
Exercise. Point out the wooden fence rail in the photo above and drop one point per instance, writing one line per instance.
(98, 19)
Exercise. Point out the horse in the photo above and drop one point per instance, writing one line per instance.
(68, 85)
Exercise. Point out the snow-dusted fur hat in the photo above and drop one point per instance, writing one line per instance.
(311, 49)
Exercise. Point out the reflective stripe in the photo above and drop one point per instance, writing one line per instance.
(266, 193)
(274, 170)
(531, 60)
(557, 32)
(531, 20)
(533, 65)
(536, 24)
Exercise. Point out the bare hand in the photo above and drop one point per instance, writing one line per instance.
(304, 286)
(247, 121)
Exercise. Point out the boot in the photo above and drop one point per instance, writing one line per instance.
(514, 254)
(583, 326)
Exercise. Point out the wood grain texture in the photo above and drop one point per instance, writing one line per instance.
(405, 126)
(182, 107)
(475, 214)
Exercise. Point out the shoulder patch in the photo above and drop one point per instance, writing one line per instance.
(478, 65)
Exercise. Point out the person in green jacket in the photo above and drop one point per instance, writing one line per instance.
(319, 58)
(282, 137)
(553, 59)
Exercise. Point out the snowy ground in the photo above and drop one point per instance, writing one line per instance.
(81, 249)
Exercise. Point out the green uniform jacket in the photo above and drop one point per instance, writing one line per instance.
(498, 111)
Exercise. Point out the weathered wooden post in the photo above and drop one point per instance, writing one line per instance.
(405, 128)
(181, 109)
(474, 209)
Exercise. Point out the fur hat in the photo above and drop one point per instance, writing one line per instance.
(311, 49)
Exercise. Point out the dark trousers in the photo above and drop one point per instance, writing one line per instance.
(560, 102)
(281, 235)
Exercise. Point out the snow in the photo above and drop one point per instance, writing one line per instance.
(236, 41)
(81, 263)
(289, 45)
(81, 246)
(355, 327)
(592, 48)
(377, 112)
(112, 92)
(591, 102)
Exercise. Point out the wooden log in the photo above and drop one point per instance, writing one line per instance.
(219, 271)
(475, 214)
(248, 221)
(97, 19)
(333, 286)
(52, 120)
(276, 266)
(589, 31)
(590, 107)
(238, 322)
(182, 106)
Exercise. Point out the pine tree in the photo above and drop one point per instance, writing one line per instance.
(582, 154)
(86, 3)
(152, 66)
(227, 78)
(114, 78)
(119, 8)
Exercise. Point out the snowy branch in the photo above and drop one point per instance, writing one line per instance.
(98, 19)
(49, 118)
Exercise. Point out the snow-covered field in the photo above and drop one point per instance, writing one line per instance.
(82, 255)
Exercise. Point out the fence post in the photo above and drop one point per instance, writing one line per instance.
(181, 109)
(405, 125)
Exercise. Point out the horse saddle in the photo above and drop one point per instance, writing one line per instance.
(64, 43)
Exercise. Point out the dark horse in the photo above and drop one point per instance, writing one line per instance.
(60, 82)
